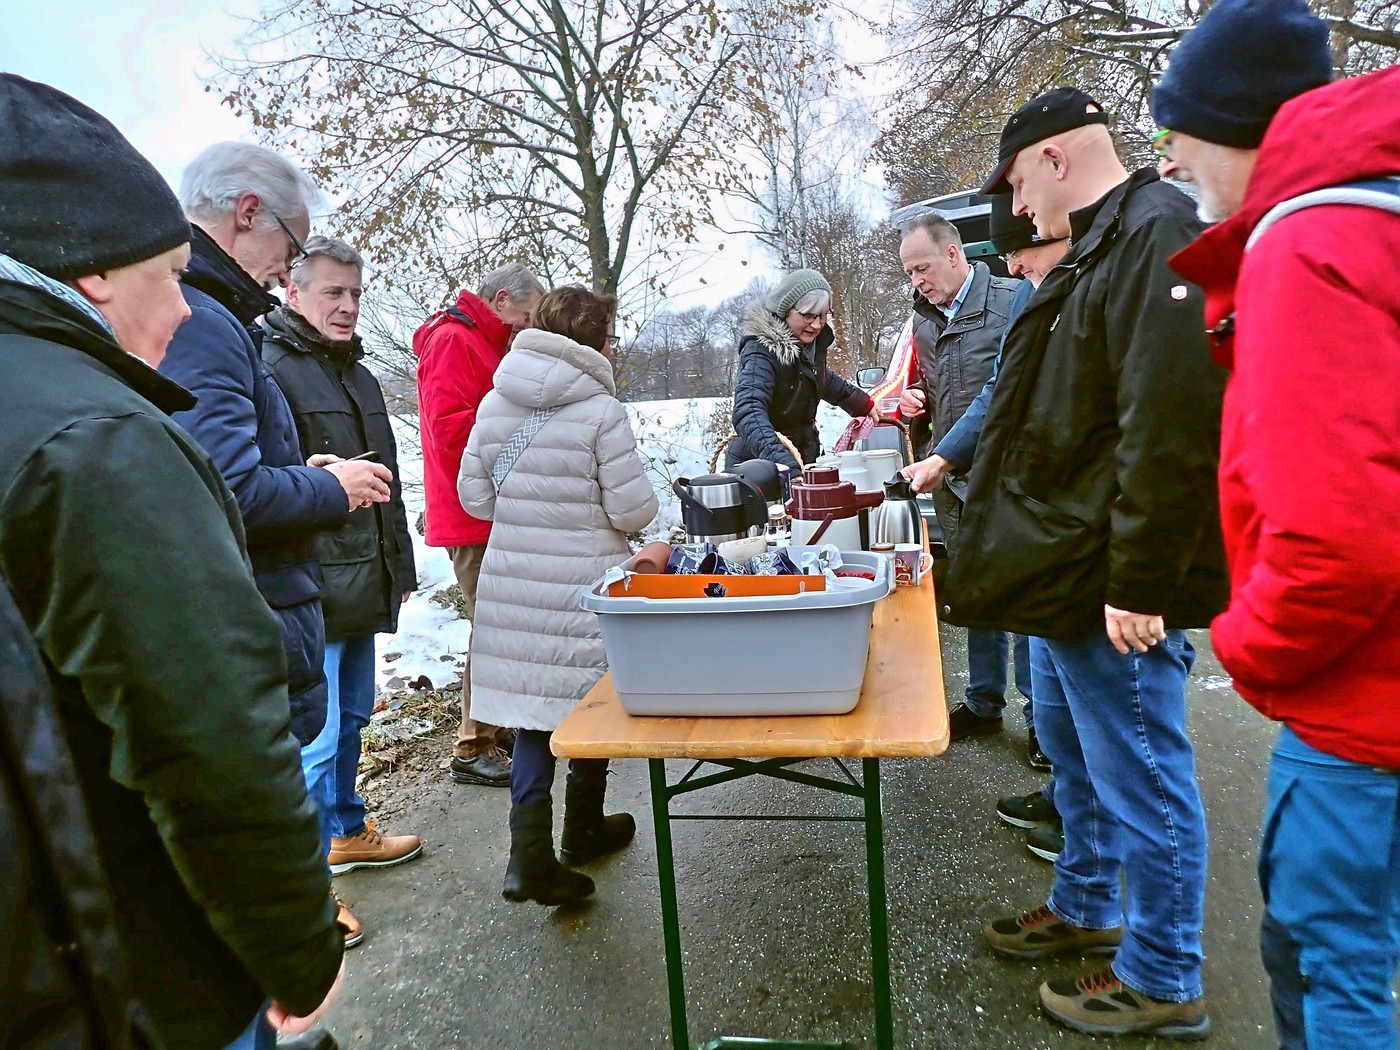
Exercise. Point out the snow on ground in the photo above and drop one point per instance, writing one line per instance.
(674, 439)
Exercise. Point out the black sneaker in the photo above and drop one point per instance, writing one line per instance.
(1034, 755)
(1046, 841)
(489, 768)
(1027, 811)
(964, 722)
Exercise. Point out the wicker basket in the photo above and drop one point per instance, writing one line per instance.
(714, 460)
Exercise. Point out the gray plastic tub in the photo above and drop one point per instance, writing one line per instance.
(799, 654)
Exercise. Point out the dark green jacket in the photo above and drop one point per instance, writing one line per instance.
(124, 550)
(339, 408)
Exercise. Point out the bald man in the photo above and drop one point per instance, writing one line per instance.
(1092, 525)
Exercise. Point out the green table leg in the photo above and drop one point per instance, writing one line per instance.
(670, 916)
(879, 917)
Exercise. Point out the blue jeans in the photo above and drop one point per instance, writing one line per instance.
(1329, 866)
(257, 1036)
(986, 672)
(1114, 727)
(532, 768)
(350, 685)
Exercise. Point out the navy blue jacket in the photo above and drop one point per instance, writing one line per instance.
(776, 391)
(960, 442)
(244, 422)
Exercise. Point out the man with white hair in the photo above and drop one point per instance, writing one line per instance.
(1302, 176)
(248, 209)
(318, 361)
(459, 350)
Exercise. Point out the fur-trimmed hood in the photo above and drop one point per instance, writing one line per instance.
(774, 334)
(544, 369)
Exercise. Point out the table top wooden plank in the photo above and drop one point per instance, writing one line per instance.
(902, 711)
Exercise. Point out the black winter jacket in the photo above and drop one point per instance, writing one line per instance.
(778, 386)
(1094, 479)
(153, 795)
(246, 426)
(339, 408)
(956, 358)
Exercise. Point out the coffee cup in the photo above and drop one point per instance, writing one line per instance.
(773, 563)
(911, 561)
(652, 558)
(688, 559)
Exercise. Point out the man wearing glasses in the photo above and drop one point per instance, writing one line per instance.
(1303, 178)
(249, 209)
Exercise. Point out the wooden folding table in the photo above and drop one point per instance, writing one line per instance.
(902, 713)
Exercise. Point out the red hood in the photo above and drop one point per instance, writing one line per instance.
(493, 330)
(1346, 131)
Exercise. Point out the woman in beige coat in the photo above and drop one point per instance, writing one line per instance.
(553, 463)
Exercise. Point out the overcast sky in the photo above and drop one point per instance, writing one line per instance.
(137, 62)
(142, 63)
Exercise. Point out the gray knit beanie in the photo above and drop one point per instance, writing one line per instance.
(792, 288)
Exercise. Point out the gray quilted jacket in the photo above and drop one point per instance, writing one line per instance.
(560, 521)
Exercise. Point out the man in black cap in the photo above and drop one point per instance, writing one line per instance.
(161, 876)
(1303, 175)
(1091, 525)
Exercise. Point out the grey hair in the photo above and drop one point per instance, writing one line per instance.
(319, 247)
(515, 279)
(214, 180)
(940, 230)
(814, 302)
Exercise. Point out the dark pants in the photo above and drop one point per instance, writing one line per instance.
(532, 768)
(1329, 866)
(986, 650)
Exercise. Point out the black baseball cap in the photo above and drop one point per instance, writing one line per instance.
(1010, 233)
(1053, 113)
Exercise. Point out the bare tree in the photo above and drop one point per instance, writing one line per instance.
(464, 133)
(816, 122)
(989, 56)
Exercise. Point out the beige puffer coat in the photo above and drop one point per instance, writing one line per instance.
(560, 520)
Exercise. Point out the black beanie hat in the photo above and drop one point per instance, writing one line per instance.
(1243, 60)
(75, 197)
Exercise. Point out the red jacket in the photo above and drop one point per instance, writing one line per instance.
(457, 359)
(1310, 449)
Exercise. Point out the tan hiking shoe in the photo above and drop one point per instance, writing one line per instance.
(1040, 933)
(370, 848)
(349, 925)
(1100, 1004)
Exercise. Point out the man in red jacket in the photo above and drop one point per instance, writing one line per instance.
(458, 350)
(1301, 176)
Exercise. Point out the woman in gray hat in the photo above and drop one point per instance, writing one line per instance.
(783, 373)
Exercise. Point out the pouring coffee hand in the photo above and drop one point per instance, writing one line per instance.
(926, 473)
(911, 402)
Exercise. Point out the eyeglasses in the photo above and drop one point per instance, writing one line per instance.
(301, 249)
(1161, 143)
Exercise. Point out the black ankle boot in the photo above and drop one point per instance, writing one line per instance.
(534, 873)
(588, 834)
